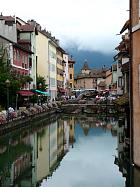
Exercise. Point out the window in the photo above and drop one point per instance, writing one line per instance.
(53, 82)
(120, 81)
(70, 76)
(52, 67)
(70, 65)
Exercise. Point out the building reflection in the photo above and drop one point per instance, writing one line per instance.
(15, 157)
(27, 157)
(105, 122)
(123, 150)
(122, 160)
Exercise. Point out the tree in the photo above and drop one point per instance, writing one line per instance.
(41, 83)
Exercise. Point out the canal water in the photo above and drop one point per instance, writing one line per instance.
(66, 151)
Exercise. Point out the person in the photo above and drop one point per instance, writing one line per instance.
(10, 110)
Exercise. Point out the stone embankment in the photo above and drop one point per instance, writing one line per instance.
(23, 116)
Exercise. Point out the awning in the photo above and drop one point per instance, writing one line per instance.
(41, 92)
(25, 93)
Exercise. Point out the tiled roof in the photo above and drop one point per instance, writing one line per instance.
(24, 41)
(94, 73)
(98, 73)
(27, 28)
(126, 26)
(71, 61)
(7, 18)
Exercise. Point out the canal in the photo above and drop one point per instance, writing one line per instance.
(68, 151)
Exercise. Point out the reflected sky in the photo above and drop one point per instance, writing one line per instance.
(90, 163)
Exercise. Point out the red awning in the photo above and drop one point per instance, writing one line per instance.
(25, 93)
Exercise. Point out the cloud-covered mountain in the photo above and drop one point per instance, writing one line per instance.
(95, 59)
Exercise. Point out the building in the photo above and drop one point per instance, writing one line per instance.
(52, 69)
(42, 56)
(71, 63)
(108, 79)
(122, 59)
(60, 71)
(17, 59)
(8, 28)
(135, 80)
(26, 36)
(66, 71)
(90, 78)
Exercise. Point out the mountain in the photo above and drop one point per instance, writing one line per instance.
(95, 59)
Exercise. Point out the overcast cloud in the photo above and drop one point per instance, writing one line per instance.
(92, 24)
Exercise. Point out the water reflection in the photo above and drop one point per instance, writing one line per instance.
(70, 151)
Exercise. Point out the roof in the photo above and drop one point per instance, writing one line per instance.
(60, 49)
(16, 45)
(126, 26)
(71, 61)
(85, 66)
(94, 73)
(121, 54)
(7, 18)
(27, 28)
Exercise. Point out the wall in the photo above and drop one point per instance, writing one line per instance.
(52, 70)
(136, 96)
(9, 32)
(42, 56)
(66, 72)
(86, 83)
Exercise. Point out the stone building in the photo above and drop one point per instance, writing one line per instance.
(90, 78)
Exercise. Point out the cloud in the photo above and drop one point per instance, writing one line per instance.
(92, 24)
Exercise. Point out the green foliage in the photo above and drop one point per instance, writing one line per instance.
(41, 83)
(122, 101)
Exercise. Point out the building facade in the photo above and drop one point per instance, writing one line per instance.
(90, 78)
(42, 57)
(71, 63)
(135, 79)
(52, 69)
(60, 71)
(26, 34)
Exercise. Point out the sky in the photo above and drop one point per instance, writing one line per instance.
(88, 24)
(89, 164)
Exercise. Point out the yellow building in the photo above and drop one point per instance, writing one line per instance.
(71, 131)
(42, 56)
(42, 154)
